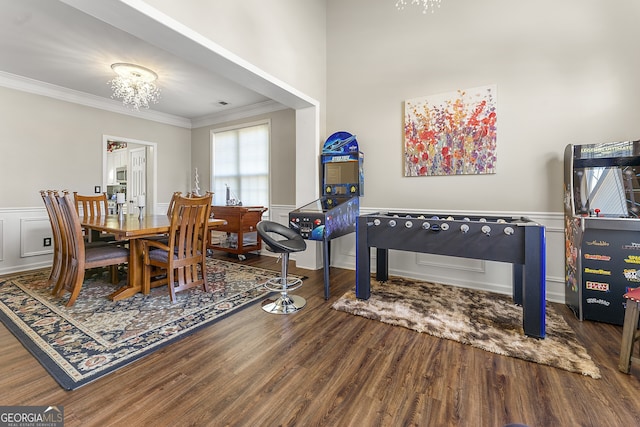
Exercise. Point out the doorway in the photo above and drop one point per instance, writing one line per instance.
(137, 177)
(141, 164)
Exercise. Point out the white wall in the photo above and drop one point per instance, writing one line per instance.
(566, 72)
(285, 38)
(52, 144)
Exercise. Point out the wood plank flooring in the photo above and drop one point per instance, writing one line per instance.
(321, 367)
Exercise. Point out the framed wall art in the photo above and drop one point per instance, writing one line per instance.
(452, 133)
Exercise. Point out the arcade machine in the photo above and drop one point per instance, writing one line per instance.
(336, 212)
(602, 228)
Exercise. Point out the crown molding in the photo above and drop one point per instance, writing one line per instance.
(24, 84)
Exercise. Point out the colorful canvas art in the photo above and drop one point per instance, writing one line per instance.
(451, 134)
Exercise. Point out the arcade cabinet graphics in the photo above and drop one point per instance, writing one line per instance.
(336, 212)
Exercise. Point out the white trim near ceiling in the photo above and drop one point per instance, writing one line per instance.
(24, 84)
(37, 87)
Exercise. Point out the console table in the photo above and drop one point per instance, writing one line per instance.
(240, 221)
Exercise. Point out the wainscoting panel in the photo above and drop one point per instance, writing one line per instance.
(22, 235)
(452, 263)
(33, 232)
(22, 232)
(479, 274)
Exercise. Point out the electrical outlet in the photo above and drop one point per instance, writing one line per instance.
(47, 241)
(97, 189)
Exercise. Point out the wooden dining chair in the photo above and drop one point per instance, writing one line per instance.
(172, 202)
(55, 276)
(63, 247)
(93, 206)
(80, 257)
(164, 238)
(183, 260)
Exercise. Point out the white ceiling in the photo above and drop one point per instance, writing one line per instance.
(56, 44)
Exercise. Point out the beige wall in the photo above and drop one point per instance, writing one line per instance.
(566, 72)
(282, 153)
(51, 144)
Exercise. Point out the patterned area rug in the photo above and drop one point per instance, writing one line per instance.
(485, 320)
(96, 336)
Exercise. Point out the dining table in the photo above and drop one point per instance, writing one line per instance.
(133, 229)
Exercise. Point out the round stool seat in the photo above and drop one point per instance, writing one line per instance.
(292, 241)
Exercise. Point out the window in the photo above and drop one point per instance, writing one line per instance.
(241, 165)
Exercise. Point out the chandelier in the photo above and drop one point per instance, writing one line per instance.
(426, 4)
(135, 85)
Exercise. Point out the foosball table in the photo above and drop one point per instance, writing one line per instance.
(515, 240)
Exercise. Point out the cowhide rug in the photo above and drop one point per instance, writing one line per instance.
(485, 320)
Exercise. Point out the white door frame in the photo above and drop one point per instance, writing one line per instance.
(151, 163)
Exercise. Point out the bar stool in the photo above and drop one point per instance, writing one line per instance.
(630, 332)
(291, 242)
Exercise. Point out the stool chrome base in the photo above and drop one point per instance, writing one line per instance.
(284, 304)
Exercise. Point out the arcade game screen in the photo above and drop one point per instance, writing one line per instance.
(339, 173)
(611, 191)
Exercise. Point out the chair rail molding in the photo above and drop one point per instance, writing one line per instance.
(478, 274)
(22, 231)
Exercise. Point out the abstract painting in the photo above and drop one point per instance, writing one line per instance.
(451, 134)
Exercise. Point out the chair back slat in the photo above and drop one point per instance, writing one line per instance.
(91, 206)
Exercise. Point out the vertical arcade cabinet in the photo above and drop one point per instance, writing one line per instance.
(336, 212)
(602, 228)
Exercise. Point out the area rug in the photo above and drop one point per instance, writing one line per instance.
(97, 336)
(485, 320)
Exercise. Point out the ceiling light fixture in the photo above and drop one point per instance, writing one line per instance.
(135, 85)
(426, 4)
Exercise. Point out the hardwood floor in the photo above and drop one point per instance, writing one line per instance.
(321, 367)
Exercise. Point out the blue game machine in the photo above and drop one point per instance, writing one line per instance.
(336, 212)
